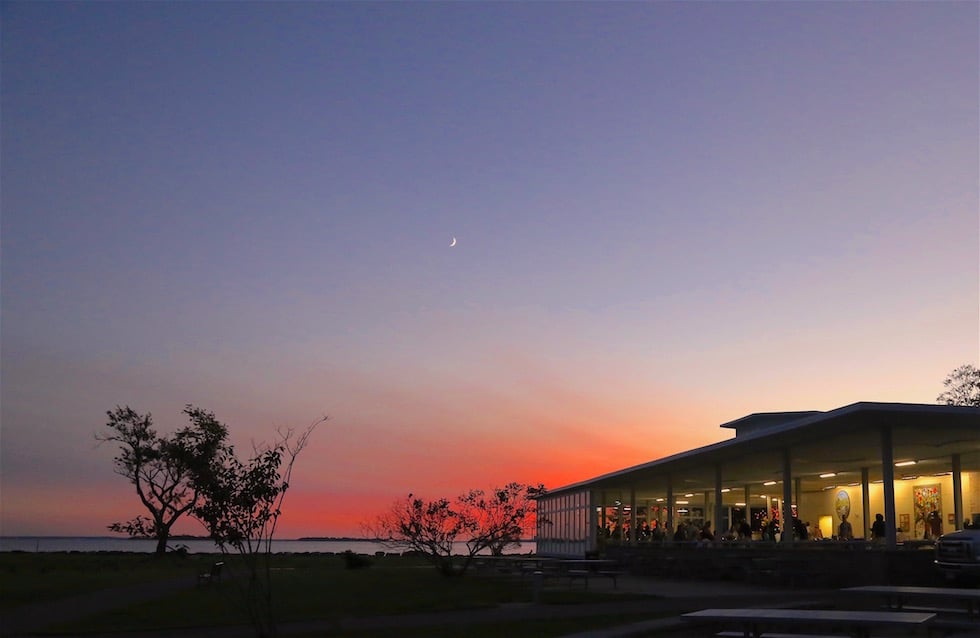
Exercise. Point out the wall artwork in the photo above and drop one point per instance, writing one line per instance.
(925, 500)
(842, 504)
(903, 523)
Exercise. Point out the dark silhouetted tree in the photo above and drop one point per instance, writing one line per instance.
(427, 527)
(164, 470)
(504, 516)
(240, 504)
(962, 387)
(481, 521)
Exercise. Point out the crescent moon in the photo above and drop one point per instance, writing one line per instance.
(452, 243)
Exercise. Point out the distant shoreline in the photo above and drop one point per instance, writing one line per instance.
(198, 545)
(188, 537)
(191, 537)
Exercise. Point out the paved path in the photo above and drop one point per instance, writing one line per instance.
(665, 597)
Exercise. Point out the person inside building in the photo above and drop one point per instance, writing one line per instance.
(815, 532)
(680, 535)
(934, 525)
(705, 535)
(844, 531)
(878, 529)
(744, 530)
(800, 529)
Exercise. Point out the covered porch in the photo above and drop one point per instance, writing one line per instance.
(911, 463)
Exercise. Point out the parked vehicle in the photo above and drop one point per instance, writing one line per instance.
(958, 555)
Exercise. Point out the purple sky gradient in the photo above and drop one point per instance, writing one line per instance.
(668, 215)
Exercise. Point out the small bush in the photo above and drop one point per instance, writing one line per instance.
(355, 561)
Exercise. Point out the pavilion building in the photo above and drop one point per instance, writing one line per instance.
(910, 462)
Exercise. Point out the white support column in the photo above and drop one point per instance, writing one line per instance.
(957, 492)
(787, 535)
(602, 517)
(619, 518)
(797, 491)
(632, 515)
(865, 501)
(888, 478)
(748, 504)
(669, 532)
(718, 507)
(593, 543)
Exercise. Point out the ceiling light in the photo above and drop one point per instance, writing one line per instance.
(909, 478)
(828, 475)
(830, 487)
(688, 495)
(904, 463)
(726, 490)
(660, 500)
(768, 483)
(739, 504)
(682, 502)
(853, 484)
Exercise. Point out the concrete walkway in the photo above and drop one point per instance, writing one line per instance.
(664, 597)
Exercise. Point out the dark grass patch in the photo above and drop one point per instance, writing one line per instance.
(542, 628)
(31, 577)
(311, 587)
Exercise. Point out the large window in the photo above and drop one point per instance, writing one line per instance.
(565, 525)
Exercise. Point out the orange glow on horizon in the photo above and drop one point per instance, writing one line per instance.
(334, 494)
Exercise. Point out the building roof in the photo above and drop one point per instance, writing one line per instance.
(843, 441)
(764, 420)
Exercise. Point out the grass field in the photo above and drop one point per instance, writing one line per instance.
(306, 587)
(27, 577)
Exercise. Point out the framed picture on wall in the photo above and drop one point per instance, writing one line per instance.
(926, 505)
(903, 522)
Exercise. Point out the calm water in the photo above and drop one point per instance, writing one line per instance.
(112, 544)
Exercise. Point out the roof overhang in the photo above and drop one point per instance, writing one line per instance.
(845, 441)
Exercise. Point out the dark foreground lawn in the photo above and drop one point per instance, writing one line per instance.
(29, 577)
(307, 587)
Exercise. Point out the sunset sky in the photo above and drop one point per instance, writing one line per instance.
(668, 216)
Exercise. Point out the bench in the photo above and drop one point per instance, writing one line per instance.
(584, 574)
(213, 576)
(896, 597)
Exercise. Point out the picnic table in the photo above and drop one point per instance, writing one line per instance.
(897, 595)
(584, 568)
(755, 622)
(547, 566)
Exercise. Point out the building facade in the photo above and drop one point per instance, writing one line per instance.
(916, 465)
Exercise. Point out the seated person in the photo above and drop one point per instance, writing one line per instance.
(705, 533)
